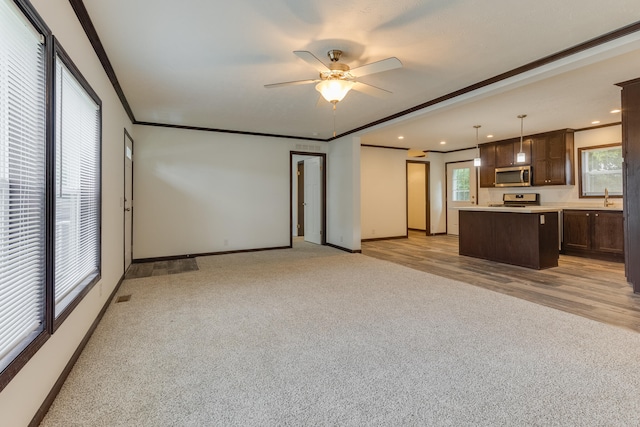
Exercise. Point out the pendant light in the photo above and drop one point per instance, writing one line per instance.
(477, 161)
(520, 157)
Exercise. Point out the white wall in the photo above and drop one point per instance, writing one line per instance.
(23, 396)
(200, 192)
(565, 195)
(343, 193)
(383, 192)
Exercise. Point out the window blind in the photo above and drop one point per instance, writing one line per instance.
(22, 182)
(77, 220)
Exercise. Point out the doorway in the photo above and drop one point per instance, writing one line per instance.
(127, 201)
(461, 191)
(418, 204)
(308, 196)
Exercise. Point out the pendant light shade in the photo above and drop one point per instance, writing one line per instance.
(334, 90)
(521, 157)
(477, 161)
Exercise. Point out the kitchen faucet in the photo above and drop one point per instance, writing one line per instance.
(606, 198)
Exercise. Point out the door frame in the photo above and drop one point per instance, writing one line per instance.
(300, 186)
(427, 171)
(446, 190)
(124, 193)
(323, 178)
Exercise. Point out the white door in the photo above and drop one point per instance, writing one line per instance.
(313, 200)
(128, 200)
(461, 191)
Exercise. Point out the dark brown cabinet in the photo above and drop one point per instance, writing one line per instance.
(524, 239)
(549, 154)
(487, 165)
(552, 158)
(631, 178)
(506, 153)
(593, 234)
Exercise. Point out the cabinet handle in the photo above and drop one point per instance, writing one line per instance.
(597, 214)
(587, 214)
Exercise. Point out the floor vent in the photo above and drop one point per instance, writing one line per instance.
(123, 298)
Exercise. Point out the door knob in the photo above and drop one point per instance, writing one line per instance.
(127, 209)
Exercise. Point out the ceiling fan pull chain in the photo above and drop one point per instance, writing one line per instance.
(334, 119)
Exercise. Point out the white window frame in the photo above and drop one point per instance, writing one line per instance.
(584, 173)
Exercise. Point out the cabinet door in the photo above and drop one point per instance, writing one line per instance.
(608, 232)
(576, 230)
(556, 156)
(505, 155)
(539, 160)
(526, 149)
(488, 165)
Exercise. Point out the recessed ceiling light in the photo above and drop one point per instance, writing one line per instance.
(489, 136)
(615, 111)
(595, 122)
(443, 142)
(401, 137)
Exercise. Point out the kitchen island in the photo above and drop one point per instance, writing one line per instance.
(524, 236)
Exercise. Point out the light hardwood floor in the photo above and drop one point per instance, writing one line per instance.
(590, 288)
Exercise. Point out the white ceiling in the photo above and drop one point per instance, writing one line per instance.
(204, 63)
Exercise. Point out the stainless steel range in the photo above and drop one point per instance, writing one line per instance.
(520, 200)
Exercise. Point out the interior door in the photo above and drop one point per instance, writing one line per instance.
(128, 200)
(461, 191)
(417, 200)
(313, 200)
(300, 211)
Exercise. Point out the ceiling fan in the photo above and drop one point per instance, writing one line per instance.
(337, 79)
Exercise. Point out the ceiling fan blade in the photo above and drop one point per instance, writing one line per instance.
(311, 59)
(377, 67)
(295, 82)
(371, 90)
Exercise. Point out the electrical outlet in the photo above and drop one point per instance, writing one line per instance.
(226, 242)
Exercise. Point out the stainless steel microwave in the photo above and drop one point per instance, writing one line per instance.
(516, 176)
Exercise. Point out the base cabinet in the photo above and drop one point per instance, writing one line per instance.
(593, 234)
(524, 239)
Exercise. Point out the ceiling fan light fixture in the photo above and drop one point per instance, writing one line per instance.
(334, 90)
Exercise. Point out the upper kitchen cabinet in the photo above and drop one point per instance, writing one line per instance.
(488, 165)
(550, 155)
(506, 152)
(552, 158)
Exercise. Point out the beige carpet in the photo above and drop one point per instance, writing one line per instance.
(312, 336)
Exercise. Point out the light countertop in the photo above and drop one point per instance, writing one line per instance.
(528, 209)
(536, 209)
(593, 208)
